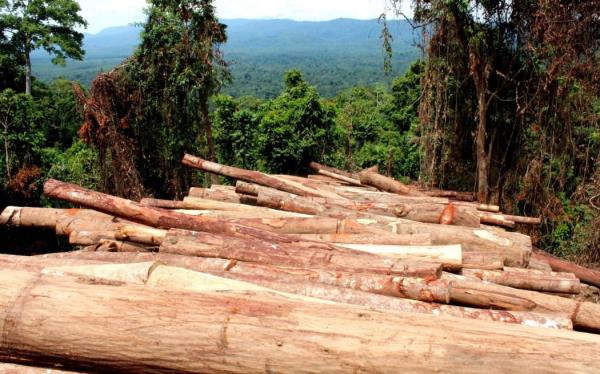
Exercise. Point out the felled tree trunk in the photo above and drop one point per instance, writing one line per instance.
(387, 184)
(528, 279)
(586, 275)
(214, 328)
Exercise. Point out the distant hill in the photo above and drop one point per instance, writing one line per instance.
(332, 54)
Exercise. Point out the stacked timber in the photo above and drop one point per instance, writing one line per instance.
(357, 271)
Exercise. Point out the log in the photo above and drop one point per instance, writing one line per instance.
(515, 248)
(315, 284)
(350, 181)
(246, 175)
(30, 217)
(464, 196)
(387, 184)
(318, 167)
(215, 327)
(108, 245)
(37, 263)
(448, 255)
(225, 196)
(361, 194)
(488, 260)
(585, 315)
(584, 274)
(165, 204)
(141, 234)
(298, 254)
(380, 238)
(498, 220)
(528, 279)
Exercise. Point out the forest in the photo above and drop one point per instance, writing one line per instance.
(504, 102)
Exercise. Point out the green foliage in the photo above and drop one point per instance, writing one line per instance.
(78, 164)
(296, 128)
(22, 135)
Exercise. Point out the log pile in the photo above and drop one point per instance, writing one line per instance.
(335, 272)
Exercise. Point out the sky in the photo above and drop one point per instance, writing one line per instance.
(108, 13)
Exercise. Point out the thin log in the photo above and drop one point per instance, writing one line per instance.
(220, 195)
(246, 175)
(318, 167)
(350, 181)
(528, 279)
(141, 234)
(216, 326)
(586, 275)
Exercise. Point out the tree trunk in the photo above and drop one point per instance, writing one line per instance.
(212, 154)
(317, 167)
(251, 332)
(387, 184)
(28, 71)
(483, 167)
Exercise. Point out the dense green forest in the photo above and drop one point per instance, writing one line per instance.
(334, 55)
(505, 102)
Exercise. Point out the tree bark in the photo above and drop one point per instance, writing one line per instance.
(28, 71)
(203, 193)
(214, 328)
(350, 181)
(318, 167)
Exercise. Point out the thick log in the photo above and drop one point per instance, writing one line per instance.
(141, 234)
(387, 184)
(464, 196)
(528, 279)
(498, 220)
(247, 175)
(37, 263)
(30, 217)
(299, 254)
(319, 284)
(165, 204)
(108, 245)
(586, 275)
(206, 204)
(361, 194)
(585, 315)
(215, 327)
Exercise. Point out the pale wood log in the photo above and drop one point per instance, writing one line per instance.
(584, 274)
(165, 204)
(350, 181)
(230, 215)
(387, 184)
(316, 189)
(528, 279)
(36, 263)
(515, 248)
(206, 204)
(296, 254)
(323, 179)
(30, 217)
(108, 245)
(362, 194)
(538, 264)
(380, 238)
(320, 284)
(134, 273)
(585, 315)
(464, 196)
(89, 237)
(203, 193)
(498, 220)
(215, 327)
(448, 255)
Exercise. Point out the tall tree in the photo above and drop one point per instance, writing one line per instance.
(50, 25)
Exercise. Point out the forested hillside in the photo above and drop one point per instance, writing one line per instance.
(335, 55)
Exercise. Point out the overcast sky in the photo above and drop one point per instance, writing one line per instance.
(107, 13)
